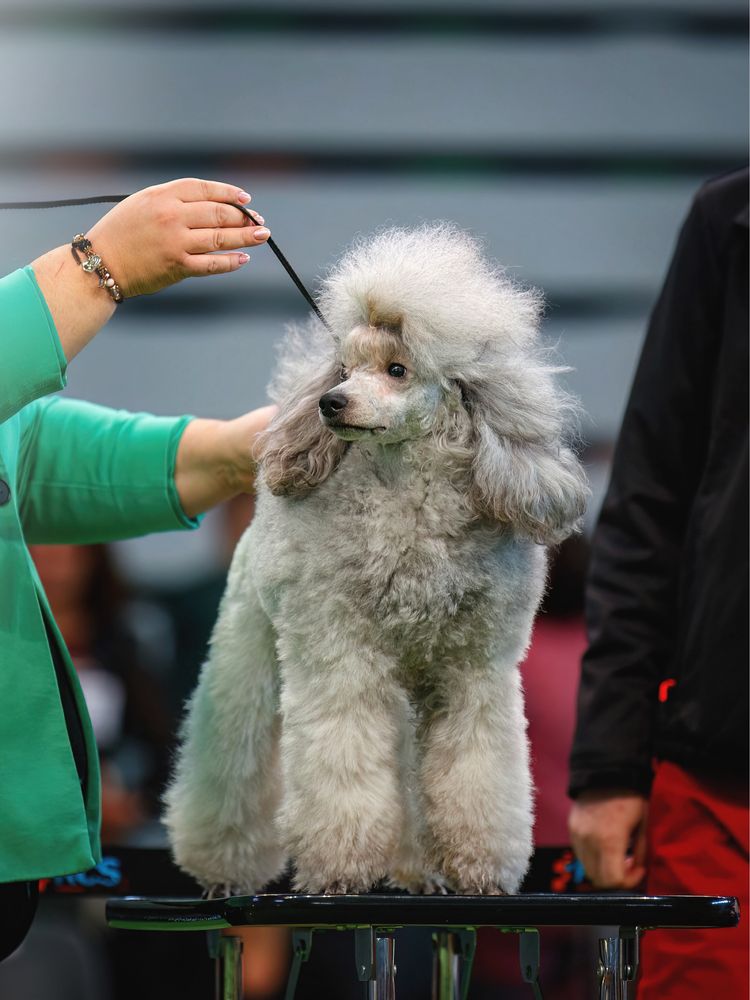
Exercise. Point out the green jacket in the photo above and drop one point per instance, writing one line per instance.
(69, 472)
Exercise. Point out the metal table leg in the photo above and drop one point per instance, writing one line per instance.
(629, 952)
(529, 954)
(301, 948)
(618, 963)
(452, 961)
(375, 951)
(227, 954)
(384, 986)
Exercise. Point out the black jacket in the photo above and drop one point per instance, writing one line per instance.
(667, 594)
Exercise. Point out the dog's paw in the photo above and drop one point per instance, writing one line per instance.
(216, 892)
(473, 878)
(224, 890)
(479, 887)
(336, 881)
(343, 888)
(420, 884)
(436, 885)
(336, 887)
(492, 890)
(330, 884)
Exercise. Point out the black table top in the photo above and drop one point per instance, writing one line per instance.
(402, 910)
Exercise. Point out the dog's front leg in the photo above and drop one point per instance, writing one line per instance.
(342, 812)
(477, 781)
(222, 801)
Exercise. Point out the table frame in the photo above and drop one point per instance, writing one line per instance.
(375, 916)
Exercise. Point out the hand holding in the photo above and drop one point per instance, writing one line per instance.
(150, 240)
(605, 827)
(172, 231)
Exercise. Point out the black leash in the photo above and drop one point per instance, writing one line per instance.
(113, 198)
(290, 271)
(64, 202)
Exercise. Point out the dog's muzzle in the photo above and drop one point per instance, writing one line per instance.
(332, 403)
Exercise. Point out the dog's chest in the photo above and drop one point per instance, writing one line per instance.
(414, 562)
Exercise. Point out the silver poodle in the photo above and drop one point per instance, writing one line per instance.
(361, 709)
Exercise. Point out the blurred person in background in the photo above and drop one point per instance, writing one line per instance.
(659, 766)
(75, 472)
(125, 702)
(70, 953)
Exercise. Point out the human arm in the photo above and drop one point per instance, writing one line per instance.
(216, 459)
(88, 473)
(50, 310)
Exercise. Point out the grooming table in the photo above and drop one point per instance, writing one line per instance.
(374, 917)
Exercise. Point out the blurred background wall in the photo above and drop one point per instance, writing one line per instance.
(568, 134)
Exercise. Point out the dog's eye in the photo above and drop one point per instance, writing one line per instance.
(396, 371)
(343, 374)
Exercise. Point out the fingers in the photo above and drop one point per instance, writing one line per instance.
(635, 865)
(609, 863)
(202, 241)
(602, 828)
(599, 860)
(203, 264)
(215, 215)
(215, 226)
(195, 189)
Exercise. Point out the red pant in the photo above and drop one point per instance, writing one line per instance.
(698, 844)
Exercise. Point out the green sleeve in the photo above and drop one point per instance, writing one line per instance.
(92, 474)
(32, 363)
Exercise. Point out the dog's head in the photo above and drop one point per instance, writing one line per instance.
(380, 393)
(429, 339)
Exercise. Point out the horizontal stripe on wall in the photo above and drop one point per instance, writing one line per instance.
(459, 163)
(575, 21)
(581, 241)
(364, 101)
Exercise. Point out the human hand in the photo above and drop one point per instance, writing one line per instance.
(217, 459)
(150, 240)
(604, 826)
(168, 232)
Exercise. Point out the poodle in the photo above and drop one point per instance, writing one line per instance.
(361, 710)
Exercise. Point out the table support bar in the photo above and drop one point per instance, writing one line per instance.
(227, 952)
(618, 963)
(375, 957)
(301, 948)
(452, 962)
(383, 987)
(529, 954)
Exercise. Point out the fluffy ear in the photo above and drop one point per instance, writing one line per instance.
(298, 452)
(523, 473)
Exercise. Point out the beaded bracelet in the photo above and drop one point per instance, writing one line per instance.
(93, 265)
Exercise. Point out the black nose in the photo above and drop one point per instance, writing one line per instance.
(332, 402)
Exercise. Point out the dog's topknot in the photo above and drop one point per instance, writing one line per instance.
(435, 287)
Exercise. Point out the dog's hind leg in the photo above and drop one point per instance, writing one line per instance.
(226, 789)
(342, 812)
(477, 781)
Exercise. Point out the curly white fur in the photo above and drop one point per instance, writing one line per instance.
(361, 708)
